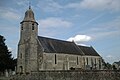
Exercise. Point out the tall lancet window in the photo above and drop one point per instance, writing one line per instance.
(87, 60)
(33, 26)
(84, 61)
(55, 59)
(77, 61)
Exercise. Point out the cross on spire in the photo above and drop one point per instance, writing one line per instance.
(29, 5)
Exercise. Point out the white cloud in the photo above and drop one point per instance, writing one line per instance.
(49, 6)
(80, 38)
(101, 4)
(96, 4)
(84, 45)
(109, 56)
(9, 14)
(10, 49)
(93, 19)
(104, 30)
(104, 34)
(22, 2)
(54, 22)
(73, 5)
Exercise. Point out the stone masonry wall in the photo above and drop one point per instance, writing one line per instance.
(71, 75)
(65, 61)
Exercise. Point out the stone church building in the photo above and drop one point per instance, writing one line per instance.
(36, 53)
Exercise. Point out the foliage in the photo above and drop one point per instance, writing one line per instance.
(108, 66)
(6, 60)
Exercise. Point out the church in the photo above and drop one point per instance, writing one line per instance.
(36, 53)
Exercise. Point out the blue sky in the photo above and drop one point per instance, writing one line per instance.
(88, 22)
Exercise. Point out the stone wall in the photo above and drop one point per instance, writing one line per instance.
(71, 75)
(55, 61)
(65, 61)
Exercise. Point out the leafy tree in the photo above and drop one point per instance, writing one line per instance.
(6, 60)
(108, 66)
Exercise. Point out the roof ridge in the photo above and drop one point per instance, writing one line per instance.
(56, 39)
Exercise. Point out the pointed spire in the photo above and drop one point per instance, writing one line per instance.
(29, 15)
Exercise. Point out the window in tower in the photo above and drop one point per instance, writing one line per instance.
(21, 69)
(22, 28)
(55, 59)
(33, 26)
(21, 55)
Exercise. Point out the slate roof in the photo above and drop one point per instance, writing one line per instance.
(90, 51)
(59, 46)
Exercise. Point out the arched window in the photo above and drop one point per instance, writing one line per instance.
(21, 69)
(33, 26)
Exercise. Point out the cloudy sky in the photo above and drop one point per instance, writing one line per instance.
(88, 22)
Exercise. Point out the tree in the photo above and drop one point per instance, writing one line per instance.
(108, 66)
(6, 60)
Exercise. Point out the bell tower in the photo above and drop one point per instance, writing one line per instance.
(27, 46)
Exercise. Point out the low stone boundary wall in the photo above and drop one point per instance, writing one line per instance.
(71, 75)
